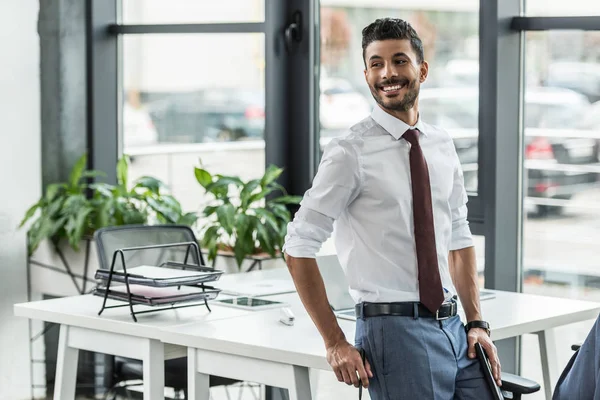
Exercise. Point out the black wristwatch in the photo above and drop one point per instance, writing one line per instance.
(478, 324)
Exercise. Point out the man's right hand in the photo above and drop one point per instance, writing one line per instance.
(346, 361)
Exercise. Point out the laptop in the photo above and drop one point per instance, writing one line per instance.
(336, 287)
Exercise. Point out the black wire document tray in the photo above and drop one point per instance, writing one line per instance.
(151, 296)
(171, 284)
(162, 276)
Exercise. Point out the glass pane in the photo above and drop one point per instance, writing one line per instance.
(561, 8)
(562, 175)
(190, 97)
(449, 97)
(192, 11)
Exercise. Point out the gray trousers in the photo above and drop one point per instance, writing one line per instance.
(420, 359)
(579, 380)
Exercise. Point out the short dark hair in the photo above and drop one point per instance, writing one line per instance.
(392, 28)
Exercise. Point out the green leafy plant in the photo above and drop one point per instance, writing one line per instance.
(245, 217)
(75, 209)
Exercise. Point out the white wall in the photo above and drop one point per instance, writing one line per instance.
(20, 181)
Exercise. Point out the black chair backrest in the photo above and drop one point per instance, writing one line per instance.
(110, 239)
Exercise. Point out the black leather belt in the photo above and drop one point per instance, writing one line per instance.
(367, 310)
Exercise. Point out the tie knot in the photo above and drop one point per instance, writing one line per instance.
(412, 136)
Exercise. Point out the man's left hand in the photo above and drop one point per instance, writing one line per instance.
(478, 335)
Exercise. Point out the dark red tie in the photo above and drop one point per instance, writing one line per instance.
(430, 284)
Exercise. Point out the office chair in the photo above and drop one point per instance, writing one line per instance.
(514, 386)
(120, 369)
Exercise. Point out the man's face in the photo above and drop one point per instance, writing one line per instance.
(394, 74)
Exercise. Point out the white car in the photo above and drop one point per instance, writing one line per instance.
(341, 106)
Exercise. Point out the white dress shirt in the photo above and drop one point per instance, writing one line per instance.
(363, 187)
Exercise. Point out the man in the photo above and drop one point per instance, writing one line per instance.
(580, 380)
(394, 187)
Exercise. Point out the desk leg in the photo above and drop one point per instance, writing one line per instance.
(300, 385)
(198, 383)
(154, 370)
(547, 341)
(66, 367)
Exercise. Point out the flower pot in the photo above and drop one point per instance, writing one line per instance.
(60, 271)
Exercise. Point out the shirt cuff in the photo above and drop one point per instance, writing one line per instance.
(307, 233)
(461, 238)
(299, 247)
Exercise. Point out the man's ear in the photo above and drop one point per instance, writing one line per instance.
(424, 70)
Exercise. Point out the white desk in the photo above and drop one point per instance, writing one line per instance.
(251, 345)
(258, 348)
(114, 332)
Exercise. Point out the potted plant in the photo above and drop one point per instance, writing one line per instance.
(244, 218)
(68, 214)
(62, 255)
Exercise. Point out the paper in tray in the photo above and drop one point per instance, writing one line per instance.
(161, 276)
(152, 296)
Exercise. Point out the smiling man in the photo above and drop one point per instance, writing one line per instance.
(394, 187)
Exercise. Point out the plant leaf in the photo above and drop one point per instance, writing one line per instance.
(77, 171)
(103, 215)
(240, 253)
(53, 189)
(189, 219)
(244, 234)
(247, 191)
(209, 210)
(30, 213)
(150, 183)
(203, 177)
(74, 203)
(226, 216)
(77, 225)
(265, 239)
(271, 173)
(287, 200)
(224, 182)
(209, 241)
(281, 212)
(92, 174)
(122, 170)
(103, 189)
(259, 196)
(168, 213)
(268, 217)
(221, 193)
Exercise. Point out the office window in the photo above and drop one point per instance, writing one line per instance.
(193, 97)
(562, 174)
(449, 97)
(562, 170)
(561, 8)
(192, 11)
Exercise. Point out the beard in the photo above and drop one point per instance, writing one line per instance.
(397, 104)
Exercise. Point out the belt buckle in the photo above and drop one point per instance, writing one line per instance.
(437, 313)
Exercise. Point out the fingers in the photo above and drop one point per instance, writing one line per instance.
(352, 373)
(348, 376)
(368, 368)
(471, 340)
(348, 366)
(492, 352)
(338, 374)
(362, 374)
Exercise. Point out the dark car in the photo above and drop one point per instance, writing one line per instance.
(555, 150)
(209, 115)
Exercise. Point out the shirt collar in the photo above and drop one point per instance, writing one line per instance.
(393, 125)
